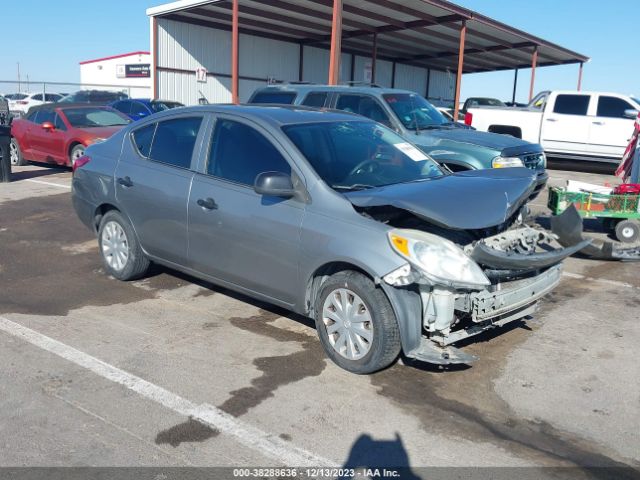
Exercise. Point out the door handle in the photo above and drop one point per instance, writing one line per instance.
(598, 123)
(551, 120)
(207, 203)
(125, 182)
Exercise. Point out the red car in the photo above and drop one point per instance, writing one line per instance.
(59, 133)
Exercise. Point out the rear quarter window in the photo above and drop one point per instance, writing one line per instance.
(142, 138)
(286, 98)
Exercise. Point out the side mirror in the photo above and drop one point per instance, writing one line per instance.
(275, 184)
(630, 113)
(48, 126)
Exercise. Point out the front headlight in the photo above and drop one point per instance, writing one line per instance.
(506, 162)
(439, 260)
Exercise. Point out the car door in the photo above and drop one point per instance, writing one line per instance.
(47, 145)
(235, 234)
(565, 126)
(610, 129)
(152, 183)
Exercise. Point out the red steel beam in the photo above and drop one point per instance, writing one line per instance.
(534, 61)
(456, 106)
(235, 53)
(336, 43)
(580, 76)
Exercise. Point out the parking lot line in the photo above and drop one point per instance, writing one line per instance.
(42, 182)
(267, 444)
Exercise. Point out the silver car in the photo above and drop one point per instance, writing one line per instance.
(327, 214)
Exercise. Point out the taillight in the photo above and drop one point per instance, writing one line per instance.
(22, 102)
(468, 118)
(81, 162)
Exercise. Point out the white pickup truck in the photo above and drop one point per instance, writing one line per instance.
(568, 124)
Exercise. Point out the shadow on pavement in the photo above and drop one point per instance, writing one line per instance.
(368, 454)
(44, 170)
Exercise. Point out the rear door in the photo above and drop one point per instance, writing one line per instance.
(153, 178)
(610, 129)
(566, 125)
(235, 234)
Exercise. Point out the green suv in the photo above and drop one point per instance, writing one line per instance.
(452, 144)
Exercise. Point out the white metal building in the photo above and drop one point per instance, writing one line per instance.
(420, 45)
(131, 71)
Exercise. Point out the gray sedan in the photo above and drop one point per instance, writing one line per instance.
(327, 214)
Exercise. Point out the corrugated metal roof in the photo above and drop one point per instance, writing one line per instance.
(423, 33)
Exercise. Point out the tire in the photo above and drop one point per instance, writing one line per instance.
(627, 231)
(120, 250)
(76, 153)
(17, 159)
(359, 356)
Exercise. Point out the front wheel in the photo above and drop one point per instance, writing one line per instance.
(121, 253)
(75, 154)
(15, 154)
(627, 231)
(356, 323)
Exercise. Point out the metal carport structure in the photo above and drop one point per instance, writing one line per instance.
(432, 34)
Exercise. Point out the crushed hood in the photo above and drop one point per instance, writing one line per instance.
(474, 199)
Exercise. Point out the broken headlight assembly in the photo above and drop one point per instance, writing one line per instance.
(439, 260)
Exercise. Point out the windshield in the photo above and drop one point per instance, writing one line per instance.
(161, 106)
(484, 102)
(358, 155)
(94, 117)
(415, 112)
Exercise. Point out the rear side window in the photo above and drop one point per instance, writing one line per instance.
(315, 99)
(571, 104)
(612, 107)
(143, 137)
(46, 116)
(33, 117)
(58, 123)
(285, 98)
(174, 141)
(52, 97)
(138, 108)
(37, 97)
(239, 153)
(365, 106)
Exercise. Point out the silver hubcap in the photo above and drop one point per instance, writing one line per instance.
(348, 323)
(115, 246)
(76, 154)
(13, 153)
(627, 232)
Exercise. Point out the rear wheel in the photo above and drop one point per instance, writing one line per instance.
(356, 323)
(16, 154)
(75, 154)
(627, 231)
(121, 253)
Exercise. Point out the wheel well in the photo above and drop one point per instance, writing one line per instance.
(506, 130)
(320, 276)
(71, 147)
(100, 212)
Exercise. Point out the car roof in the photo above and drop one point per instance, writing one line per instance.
(311, 87)
(273, 114)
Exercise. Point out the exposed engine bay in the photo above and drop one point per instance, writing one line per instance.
(521, 262)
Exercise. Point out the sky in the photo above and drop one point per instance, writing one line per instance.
(49, 38)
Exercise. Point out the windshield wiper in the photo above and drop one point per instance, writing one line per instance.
(354, 187)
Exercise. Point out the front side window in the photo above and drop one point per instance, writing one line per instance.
(33, 117)
(161, 106)
(414, 112)
(143, 137)
(613, 107)
(58, 123)
(571, 104)
(315, 99)
(239, 153)
(358, 155)
(285, 98)
(363, 105)
(174, 141)
(90, 117)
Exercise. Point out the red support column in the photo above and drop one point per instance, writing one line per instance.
(336, 43)
(580, 76)
(463, 33)
(235, 52)
(534, 62)
(374, 55)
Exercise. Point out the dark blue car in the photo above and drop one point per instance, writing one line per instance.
(137, 108)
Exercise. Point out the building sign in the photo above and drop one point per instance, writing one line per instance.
(133, 70)
(201, 75)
